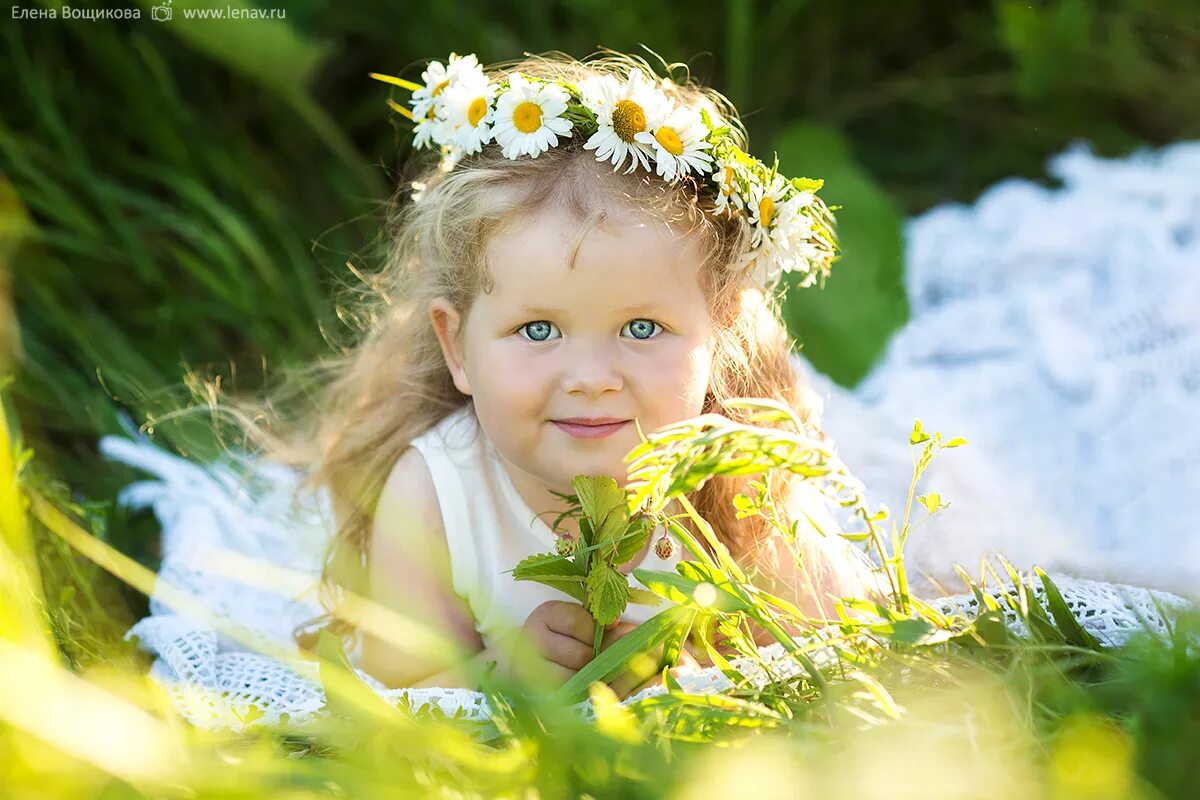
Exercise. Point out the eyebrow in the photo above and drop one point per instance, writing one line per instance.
(550, 312)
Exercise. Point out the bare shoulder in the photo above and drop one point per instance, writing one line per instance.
(410, 573)
(408, 504)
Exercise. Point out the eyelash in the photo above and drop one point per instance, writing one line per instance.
(659, 326)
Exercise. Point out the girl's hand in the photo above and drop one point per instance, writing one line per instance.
(642, 674)
(560, 635)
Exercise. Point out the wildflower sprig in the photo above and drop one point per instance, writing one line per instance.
(632, 122)
(680, 458)
(587, 569)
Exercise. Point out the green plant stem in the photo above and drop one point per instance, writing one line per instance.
(772, 627)
(597, 639)
(794, 650)
(901, 587)
(883, 556)
(689, 541)
(725, 560)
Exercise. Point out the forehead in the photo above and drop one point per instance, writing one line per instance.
(621, 260)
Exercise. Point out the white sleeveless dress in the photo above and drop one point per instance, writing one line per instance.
(490, 528)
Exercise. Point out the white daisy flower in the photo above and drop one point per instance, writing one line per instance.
(427, 101)
(528, 117)
(763, 202)
(728, 176)
(423, 133)
(466, 108)
(622, 112)
(782, 232)
(680, 142)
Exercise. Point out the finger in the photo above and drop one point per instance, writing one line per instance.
(640, 668)
(570, 619)
(624, 684)
(552, 676)
(565, 650)
(616, 631)
(531, 667)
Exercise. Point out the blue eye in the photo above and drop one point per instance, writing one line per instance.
(641, 328)
(538, 331)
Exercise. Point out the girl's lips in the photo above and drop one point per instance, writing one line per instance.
(590, 431)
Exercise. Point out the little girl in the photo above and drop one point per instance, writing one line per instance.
(594, 252)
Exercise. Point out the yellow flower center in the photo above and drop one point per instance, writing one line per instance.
(438, 89)
(669, 140)
(527, 117)
(477, 111)
(766, 211)
(628, 120)
(727, 184)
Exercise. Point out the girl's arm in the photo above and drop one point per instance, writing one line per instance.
(409, 572)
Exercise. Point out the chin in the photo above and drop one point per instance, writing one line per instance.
(618, 473)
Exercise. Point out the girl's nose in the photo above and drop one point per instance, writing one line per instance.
(592, 371)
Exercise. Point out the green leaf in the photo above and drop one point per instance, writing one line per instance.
(553, 570)
(673, 646)
(1040, 627)
(547, 566)
(632, 541)
(643, 597)
(744, 505)
(607, 592)
(612, 661)
(585, 533)
(905, 631)
(990, 627)
(918, 435)
(604, 504)
(1067, 623)
(704, 627)
(705, 573)
(682, 590)
(667, 585)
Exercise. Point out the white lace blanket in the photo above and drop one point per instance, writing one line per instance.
(213, 525)
(1056, 329)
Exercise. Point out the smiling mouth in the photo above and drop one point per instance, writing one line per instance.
(589, 430)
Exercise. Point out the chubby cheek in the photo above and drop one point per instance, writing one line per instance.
(511, 395)
(674, 385)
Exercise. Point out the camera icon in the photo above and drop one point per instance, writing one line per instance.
(161, 13)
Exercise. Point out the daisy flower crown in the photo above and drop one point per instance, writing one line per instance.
(632, 124)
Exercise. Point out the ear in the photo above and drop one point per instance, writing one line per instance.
(447, 324)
